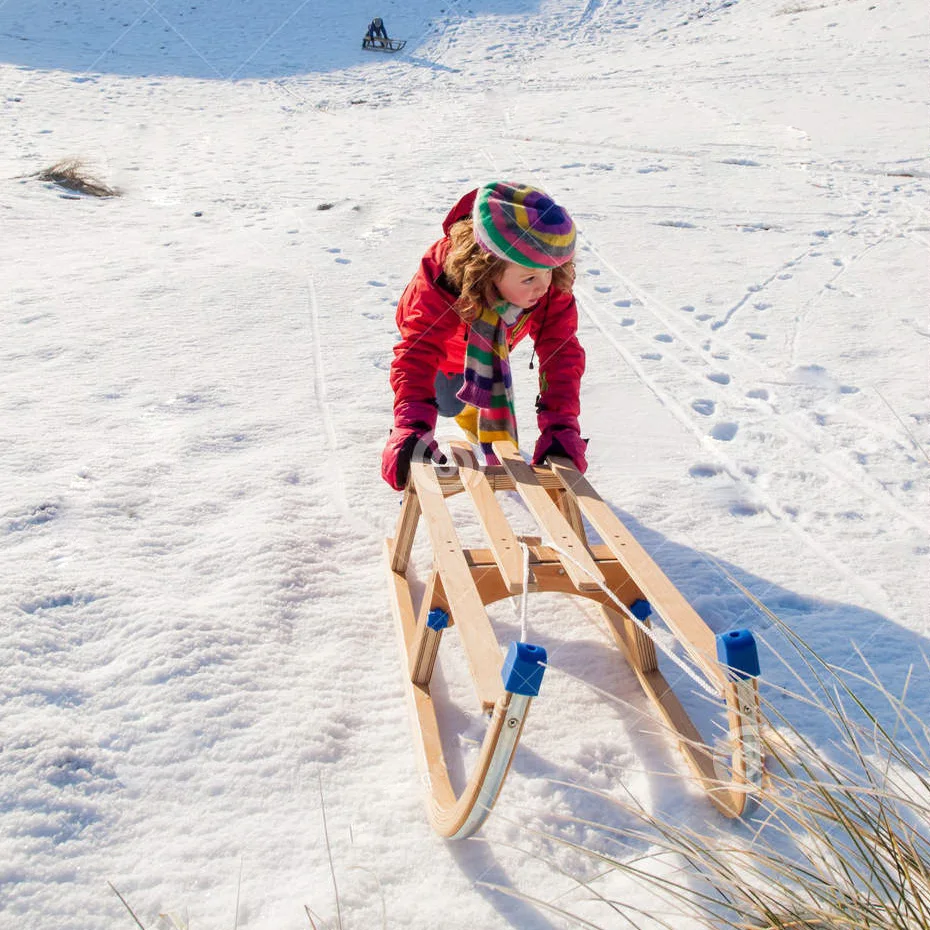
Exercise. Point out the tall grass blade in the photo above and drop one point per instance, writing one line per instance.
(132, 913)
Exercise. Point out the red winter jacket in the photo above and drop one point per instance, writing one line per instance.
(433, 338)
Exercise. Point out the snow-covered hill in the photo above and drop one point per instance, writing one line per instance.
(197, 647)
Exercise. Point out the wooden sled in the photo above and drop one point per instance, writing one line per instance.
(379, 44)
(462, 582)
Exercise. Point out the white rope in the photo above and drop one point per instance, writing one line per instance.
(526, 585)
(690, 672)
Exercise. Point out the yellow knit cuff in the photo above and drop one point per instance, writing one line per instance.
(468, 421)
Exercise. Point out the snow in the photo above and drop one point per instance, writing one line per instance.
(199, 659)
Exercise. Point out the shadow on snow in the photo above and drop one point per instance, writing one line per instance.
(237, 40)
(834, 631)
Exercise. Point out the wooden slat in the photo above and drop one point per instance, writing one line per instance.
(504, 544)
(481, 647)
(692, 632)
(550, 519)
(569, 509)
(425, 648)
(738, 715)
(639, 649)
(447, 813)
(499, 480)
(540, 554)
(691, 744)
(406, 530)
(640, 653)
(423, 713)
(550, 577)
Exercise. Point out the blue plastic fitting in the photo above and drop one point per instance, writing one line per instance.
(523, 668)
(641, 609)
(437, 619)
(737, 650)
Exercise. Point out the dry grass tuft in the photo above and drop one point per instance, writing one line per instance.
(841, 839)
(71, 174)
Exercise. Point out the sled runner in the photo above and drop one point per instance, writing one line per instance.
(616, 573)
(378, 44)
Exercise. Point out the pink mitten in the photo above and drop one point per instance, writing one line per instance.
(412, 438)
(556, 440)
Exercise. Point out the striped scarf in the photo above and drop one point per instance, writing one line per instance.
(488, 384)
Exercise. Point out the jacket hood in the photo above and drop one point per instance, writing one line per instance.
(461, 210)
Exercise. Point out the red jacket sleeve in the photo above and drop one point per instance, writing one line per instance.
(553, 328)
(427, 320)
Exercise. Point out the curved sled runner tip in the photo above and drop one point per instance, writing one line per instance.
(617, 574)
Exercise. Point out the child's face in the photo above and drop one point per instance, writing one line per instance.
(523, 286)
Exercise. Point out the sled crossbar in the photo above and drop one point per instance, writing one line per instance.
(462, 582)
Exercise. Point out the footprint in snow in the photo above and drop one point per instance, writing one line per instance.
(724, 432)
(757, 336)
(341, 261)
(34, 516)
(703, 470)
(703, 406)
(719, 377)
(623, 303)
(758, 394)
(379, 359)
(663, 337)
(377, 284)
(627, 321)
(603, 288)
(55, 601)
(652, 356)
(745, 509)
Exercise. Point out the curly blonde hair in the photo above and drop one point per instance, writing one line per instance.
(473, 272)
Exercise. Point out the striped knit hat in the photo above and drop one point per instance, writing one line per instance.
(523, 225)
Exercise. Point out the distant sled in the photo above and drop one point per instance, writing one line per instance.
(376, 38)
(383, 45)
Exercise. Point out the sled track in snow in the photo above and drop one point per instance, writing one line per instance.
(713, 365)
(710, 379)
(733, 470)
(714, 349)
(335, 474)
(707, 370)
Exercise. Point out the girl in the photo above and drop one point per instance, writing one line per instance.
(502, 271)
